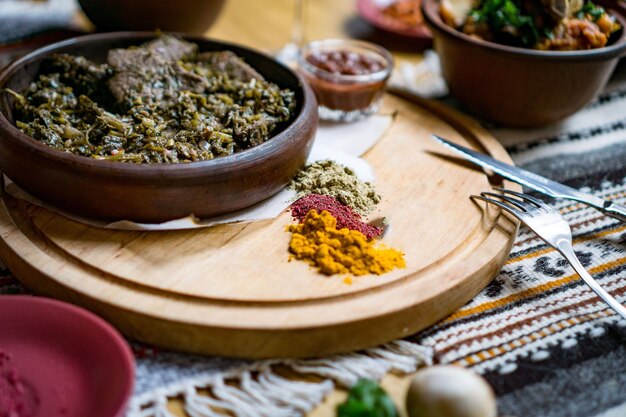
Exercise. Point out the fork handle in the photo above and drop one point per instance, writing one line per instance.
(565, 248)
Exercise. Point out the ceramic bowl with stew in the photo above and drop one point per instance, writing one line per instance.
(522, 87)
(111, 190)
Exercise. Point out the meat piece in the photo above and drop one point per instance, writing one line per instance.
(172, 49)
(574, 35)
(161, 51)
(455, 12)
(191, 81)
(148, 72)
(124, 59)
(560, 9)
(230, 63)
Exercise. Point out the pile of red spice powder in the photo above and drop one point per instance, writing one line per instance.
(346, 217)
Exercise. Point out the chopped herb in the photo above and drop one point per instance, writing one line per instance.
(592, 10)
(506, 18)
(367, 399)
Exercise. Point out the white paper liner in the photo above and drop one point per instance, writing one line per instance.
(342, 143)
(424, 78)
(354, 138)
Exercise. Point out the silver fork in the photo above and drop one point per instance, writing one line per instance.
(552, 228)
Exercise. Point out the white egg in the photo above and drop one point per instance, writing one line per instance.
(450, 391)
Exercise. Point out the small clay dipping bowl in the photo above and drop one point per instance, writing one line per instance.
(348, 77)
(112, 190)
(522, 87)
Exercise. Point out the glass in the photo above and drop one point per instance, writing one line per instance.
(342, 96)
(288, 54)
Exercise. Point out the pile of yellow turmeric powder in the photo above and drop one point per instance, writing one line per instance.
(317, 241)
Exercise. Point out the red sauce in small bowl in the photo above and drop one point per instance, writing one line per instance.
(345, 62)
(346, 76)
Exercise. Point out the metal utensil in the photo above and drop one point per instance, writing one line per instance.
(552, 228)
(536, 182)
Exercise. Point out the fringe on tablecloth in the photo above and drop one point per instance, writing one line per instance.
(257, 389)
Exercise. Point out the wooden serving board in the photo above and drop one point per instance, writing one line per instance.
(231, 290)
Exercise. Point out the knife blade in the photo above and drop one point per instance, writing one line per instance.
(536, 182)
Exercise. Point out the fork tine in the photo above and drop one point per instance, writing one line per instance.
(505, 207)
(527, 197)
(517, 203)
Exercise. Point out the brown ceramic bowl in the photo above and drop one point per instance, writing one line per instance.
(521, 87)
(189, 16)
(153, 192)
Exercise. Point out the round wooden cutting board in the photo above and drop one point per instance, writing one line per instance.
(231, 290)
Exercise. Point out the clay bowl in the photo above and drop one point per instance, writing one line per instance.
(521, 87)
(189, 16)
(153, 192)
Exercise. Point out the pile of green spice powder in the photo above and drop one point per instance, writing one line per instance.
(329, 178)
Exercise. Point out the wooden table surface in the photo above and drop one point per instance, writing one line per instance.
(266, 25)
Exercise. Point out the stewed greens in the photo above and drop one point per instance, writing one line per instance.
(162, 102)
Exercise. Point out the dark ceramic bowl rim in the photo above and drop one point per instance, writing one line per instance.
(147, 171)
(430, 11)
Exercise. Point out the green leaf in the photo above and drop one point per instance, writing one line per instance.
(367, 399)
(502, 14)
(592, 10)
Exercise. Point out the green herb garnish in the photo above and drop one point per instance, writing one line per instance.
(592, 10)
(506, 17)
(367, 399)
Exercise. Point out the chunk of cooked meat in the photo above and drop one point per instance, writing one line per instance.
(231, 64)
(454, 12)
(576, 34)
(147, 73)
(163, 50)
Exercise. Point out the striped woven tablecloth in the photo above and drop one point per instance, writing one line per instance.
(545, 342)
